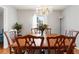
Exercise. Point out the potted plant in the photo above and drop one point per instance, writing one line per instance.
(42, 27)
(18, 27)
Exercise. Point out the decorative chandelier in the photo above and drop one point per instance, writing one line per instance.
(42, 10)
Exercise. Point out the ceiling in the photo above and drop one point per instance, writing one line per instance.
(33, 7)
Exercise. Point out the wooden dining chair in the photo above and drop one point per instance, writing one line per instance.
(71, 33)
(10, 41)
(70, 43)
(61, 44)
(35, 31)
(48, 31)
(20, 44)
(33, 43)
(14, 42)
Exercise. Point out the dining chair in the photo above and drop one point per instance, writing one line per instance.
(20, 44)
(13, 44)
(10, 42)
(70, 43)
(35, 31)
(71, 33)
(34, 43)
(61, 44)
(48, 31)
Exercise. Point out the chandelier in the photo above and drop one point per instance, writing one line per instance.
(42, 10)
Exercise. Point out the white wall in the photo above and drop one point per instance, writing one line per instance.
(54, 21)
(10, 18)
(25, 17)
(71, 20)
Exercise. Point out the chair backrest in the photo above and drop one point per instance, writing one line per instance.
(60, 42)
(48, 31)
(10, 36)
(33, 41)
(71, 33)
(13, 33)
(21, 40)
(8, 40)
(35, 31)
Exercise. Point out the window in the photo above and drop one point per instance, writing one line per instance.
(40, 20)
(37, 20)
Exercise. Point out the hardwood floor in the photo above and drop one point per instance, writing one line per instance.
(76, 51)
(6, 51)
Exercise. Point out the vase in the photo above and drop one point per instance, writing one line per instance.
(41, 33)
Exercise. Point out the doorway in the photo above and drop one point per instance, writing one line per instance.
(1, 27)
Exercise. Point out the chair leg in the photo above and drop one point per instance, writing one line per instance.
(10, 50)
